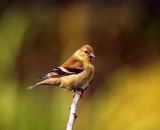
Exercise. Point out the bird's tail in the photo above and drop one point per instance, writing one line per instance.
(51, 81)
(32, 86)
(40, 83)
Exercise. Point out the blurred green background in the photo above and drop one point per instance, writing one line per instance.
(39, 35)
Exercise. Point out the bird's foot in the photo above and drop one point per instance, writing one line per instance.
(78, 91)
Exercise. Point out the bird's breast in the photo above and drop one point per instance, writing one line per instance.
(79, 80)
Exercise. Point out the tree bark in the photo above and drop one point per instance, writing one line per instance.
(77, 96)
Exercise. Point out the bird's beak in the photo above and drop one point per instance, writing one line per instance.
(91, 55)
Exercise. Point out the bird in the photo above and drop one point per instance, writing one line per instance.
(76, 73)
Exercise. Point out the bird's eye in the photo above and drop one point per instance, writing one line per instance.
(85, 52)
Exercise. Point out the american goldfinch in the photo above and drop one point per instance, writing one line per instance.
(76, 73)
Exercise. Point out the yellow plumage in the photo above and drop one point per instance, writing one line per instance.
(77, 72)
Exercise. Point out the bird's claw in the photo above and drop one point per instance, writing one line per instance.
(78, 91)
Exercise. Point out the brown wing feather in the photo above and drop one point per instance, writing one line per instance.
(73, 62)
(71, 66)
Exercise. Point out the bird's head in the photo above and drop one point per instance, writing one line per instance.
(85, 53)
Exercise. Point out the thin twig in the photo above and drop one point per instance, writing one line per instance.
(77, 96)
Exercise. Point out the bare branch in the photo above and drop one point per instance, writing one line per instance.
(77, 96)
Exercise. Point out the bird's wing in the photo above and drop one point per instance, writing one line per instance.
(68, 68)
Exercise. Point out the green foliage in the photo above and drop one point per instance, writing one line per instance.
(31, 37)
